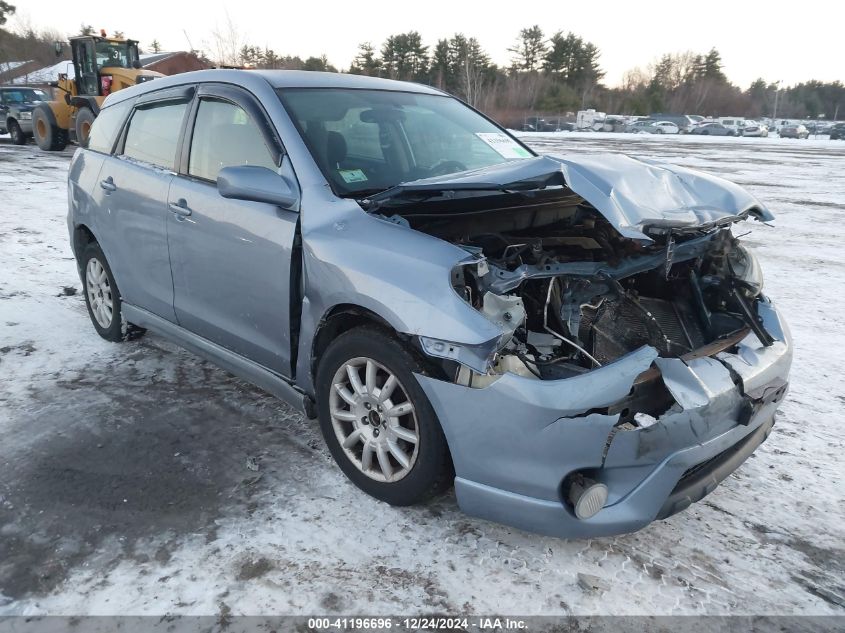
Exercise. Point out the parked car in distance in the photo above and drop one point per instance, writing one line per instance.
(16, 105)
(682, 121)
(734, 124)
(794, 131)
(755, 128)
(537, 124)
(389, 261)
(818, 127)
(837, 132)
(664, 127)
(614, 124)
(712, 129)
(643, 126)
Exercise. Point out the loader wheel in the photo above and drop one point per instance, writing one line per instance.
(50, 137)
(84, 119)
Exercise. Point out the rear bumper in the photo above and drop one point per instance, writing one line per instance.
(514, 442)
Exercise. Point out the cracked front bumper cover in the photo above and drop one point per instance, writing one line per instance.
(514, 442)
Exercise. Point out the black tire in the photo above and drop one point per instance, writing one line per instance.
(118, 329)
(82, 125)
(432, 472)
(49, 137)
(15, 131)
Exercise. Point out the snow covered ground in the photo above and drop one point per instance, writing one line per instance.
(124, 486)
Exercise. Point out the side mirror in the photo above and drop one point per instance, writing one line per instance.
(257, 184)
(57, 48)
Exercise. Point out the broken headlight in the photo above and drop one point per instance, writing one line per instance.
(746, 268)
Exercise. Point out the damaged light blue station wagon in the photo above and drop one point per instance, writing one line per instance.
(579, 343)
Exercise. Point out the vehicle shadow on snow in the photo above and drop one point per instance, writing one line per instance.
(155, 443)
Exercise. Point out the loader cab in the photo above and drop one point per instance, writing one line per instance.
(92, 54)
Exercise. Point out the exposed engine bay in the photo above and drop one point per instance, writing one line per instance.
(571, 293)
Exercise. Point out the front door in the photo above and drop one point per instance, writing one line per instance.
(231, 259)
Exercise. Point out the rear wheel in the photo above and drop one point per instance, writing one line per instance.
(102, 297)
(15, 131)
(377, 421)
(84, 119)
(50, 138)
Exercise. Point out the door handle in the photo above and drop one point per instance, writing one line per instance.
(180, 208)
(108, 184)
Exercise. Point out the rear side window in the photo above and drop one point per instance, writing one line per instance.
(154, 133)
(225, 136)
(107, 126)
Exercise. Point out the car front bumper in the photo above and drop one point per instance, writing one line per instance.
(514, 442)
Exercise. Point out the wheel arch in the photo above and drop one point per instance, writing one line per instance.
(337, 320)
(344, 317)
(82, 236)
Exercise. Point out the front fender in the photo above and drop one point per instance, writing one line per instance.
(401, 275)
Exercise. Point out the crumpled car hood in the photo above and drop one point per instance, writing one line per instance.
(631, 194)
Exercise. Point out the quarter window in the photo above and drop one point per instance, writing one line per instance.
(225, 136)
(107, 125)
(154, 133)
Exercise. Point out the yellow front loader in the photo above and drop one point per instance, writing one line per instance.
(101, 65)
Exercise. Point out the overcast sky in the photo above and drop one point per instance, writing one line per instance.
(777, 41)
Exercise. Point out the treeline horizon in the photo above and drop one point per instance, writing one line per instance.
(548, 75)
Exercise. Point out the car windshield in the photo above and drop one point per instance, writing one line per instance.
(366, 141)
(25, 95)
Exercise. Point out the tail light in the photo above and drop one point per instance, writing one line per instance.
(105, 85)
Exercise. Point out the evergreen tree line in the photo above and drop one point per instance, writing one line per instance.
(547, 75)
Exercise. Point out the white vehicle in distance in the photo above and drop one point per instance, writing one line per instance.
(755, 128)
(664, 127)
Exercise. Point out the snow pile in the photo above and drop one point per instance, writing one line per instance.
(126, 488)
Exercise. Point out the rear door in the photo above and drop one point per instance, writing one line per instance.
(133, 185)
(230, 258)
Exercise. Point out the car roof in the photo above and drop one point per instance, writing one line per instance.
(276, 78)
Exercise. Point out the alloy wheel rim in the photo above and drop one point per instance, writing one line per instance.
(99, 293)
(374, 420)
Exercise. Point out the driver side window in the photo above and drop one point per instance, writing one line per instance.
(225, 136)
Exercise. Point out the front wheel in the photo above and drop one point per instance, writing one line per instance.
(103, 298)
(377, 421)
(50, 138)
(15, 131)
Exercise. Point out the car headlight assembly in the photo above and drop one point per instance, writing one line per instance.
(25, 116)
(746, 268)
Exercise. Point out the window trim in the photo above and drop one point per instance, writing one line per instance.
(241, 98)
(178, 94)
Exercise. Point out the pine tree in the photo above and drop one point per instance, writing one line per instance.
(529, 50)
(366, 62)
(6, 10)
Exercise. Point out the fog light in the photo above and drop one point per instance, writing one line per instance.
(587, 497)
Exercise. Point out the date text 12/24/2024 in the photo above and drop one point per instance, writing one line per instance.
(417, 623)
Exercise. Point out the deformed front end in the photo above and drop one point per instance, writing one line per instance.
(639, 362)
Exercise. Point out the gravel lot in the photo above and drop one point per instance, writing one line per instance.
(125, 487)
